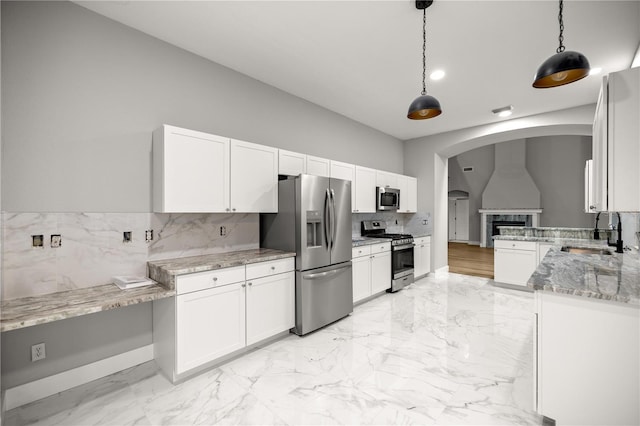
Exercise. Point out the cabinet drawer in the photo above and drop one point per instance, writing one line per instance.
(264, 269)
(209, 279)
(360, 251)
(380, 248)
(422, 240)
(515, 245)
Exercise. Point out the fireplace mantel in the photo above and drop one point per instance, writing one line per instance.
(534, 213)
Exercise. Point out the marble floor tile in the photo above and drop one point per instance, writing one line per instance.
(450, 349)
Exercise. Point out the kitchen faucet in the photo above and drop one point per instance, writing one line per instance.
(596, 234)
(618, 243)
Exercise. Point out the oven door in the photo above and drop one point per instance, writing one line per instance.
(402, 260)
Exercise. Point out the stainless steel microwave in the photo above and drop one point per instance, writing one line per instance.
(387, 199)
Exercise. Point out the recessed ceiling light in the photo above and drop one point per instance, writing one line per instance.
(594, 71)
(437, 75)
(504, 111)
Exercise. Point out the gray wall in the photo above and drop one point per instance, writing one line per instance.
(482, 160)
(556, 164)
(83, 93)
(74, 342)
(81, 96)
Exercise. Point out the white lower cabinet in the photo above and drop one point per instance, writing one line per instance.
(371, 269)
(210, 324)
(221, 312)
(514, 261)
(422, 256)
(380, 271)
(587, 360)
(269, 306)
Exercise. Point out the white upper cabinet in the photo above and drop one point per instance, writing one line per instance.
(198, 172)
(291, 163)
(408, 187)
(318, 166)
(386, 179)
(616, 147)
(190, 171)
(254, 178)
(345, 171)
(365, 190)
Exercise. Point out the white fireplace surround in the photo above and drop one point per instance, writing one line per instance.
(534, 213)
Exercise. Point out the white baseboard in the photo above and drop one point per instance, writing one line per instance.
(442, 271)
(47, 386)
(474, 243)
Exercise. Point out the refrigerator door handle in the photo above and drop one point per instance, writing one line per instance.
(327, 218)
(325, 273)
(333, 219)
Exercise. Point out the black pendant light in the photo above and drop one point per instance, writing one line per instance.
(562, 68)
(424, 106)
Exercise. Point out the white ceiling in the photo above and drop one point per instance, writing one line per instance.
(362, 59)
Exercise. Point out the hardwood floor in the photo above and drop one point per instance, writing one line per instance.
(471, 260)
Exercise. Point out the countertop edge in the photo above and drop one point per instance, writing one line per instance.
(97, 302)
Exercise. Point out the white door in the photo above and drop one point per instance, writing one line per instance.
(365, 190)
(254, 178)
(462, 220)
(412, 194)
(514, 266)
(291, 163)
(380, 272)
(210, 324)
(190, 171)
(361, 270)
(345, 171)
(270, 306)
(317, 166)
(452, 220)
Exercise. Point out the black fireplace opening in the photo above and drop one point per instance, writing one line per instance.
(496, 223)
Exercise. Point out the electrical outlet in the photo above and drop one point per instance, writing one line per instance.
(37, 241)
(126, 237)
(223, 231)
(148, 235)
(38, 352)
(56, 240)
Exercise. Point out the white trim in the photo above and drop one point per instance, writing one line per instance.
(441, 271)
(47, 386)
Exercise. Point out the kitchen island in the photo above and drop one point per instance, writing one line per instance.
(587, 343)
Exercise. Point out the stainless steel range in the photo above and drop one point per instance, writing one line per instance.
(401, 252)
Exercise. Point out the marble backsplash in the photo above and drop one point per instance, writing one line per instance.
(418, 224)
(93, 251)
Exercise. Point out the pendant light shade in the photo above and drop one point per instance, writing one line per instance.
(424, 106)
(562, 68)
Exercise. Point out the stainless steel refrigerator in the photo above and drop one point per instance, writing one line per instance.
(314, 220)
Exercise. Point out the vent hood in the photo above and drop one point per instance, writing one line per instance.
(511, 186)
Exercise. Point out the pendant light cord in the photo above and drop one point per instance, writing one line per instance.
(560, 48)
(424, 51)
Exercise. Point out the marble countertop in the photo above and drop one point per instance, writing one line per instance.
(578, 242)
(34, 310)
(165, 271)
(366, 241)
(613, 277)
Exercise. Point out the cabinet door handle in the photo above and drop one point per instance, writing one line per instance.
(250, 284)
(215, 279)
(273, 268)
(233, 209)
(227, 209)
(244, 285)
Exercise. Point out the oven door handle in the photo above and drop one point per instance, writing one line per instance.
(404, 246)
